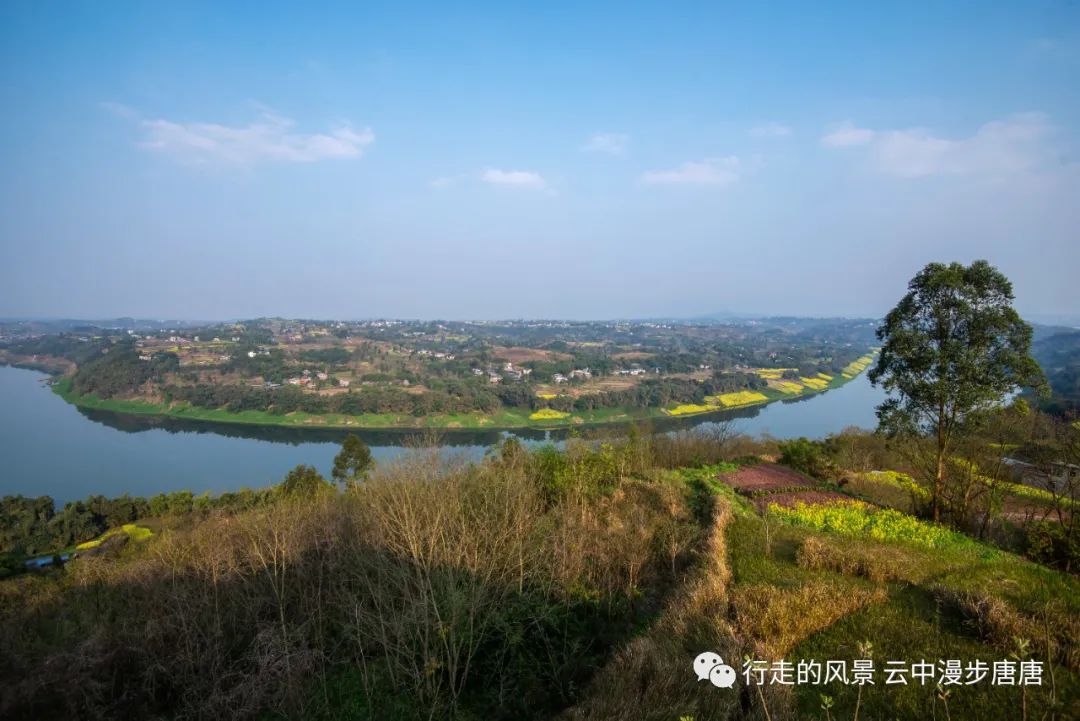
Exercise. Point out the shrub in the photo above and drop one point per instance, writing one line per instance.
(1050, 543)
(808, 456)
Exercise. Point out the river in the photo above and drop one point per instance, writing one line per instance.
(49, 447)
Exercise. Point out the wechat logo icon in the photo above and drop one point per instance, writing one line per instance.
(710, 666)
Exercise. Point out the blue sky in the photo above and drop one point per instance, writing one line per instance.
(615, 160)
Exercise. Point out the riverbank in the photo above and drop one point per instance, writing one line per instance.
(505, 420)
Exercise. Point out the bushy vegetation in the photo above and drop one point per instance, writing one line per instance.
(810, 457)
(431, 589)
(30, 526)
(576, 583)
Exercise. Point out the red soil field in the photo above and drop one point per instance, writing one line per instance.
(765, 477)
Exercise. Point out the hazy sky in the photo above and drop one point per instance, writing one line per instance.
(621, 160)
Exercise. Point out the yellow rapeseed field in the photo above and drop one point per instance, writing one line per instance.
(135, 533)
(741, 398)
(548, 414)
(688, 408)
(858, 366)
(786, 386)
(772, 374)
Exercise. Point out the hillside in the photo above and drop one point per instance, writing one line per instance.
(1058, 353)
(542, 584)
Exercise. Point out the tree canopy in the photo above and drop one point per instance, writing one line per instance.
(353, 462)
(953, 348)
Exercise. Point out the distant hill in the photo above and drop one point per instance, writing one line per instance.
(1058, 352)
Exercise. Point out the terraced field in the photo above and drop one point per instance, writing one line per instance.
(829, 580)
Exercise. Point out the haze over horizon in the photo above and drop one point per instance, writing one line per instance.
(200, 161)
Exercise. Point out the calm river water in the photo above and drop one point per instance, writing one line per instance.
(48, 447)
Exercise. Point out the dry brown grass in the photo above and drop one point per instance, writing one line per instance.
(415, 580)
(651, 677)
(776, 619)
(1056, 635)
(878, 564)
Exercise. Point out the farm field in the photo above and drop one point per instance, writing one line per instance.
(813, 574)
(410, 374)
(503, 419)
(858, 366)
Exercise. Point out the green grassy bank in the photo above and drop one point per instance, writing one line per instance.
(506, 419)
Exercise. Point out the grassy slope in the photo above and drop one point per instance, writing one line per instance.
(926, 612)
(504, 419)
(964, 601)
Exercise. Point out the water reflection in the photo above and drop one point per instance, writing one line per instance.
(51, 448)
(456, 437)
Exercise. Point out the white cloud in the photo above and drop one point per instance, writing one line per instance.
(770, 130)
(516, 178)
(610, 143)
(271, 138)
(846, 135)
(711, 171)
(1002, 147)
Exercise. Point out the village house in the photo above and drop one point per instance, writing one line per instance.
(1055, 477)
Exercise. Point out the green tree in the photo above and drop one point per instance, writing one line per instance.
(953, 348)
(353, 462)
(302, 481)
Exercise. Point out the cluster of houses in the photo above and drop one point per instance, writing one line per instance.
(1058, 477)
(435, 354)
(582, 373)
(309, 380)
(509, 370)
(630, 372)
